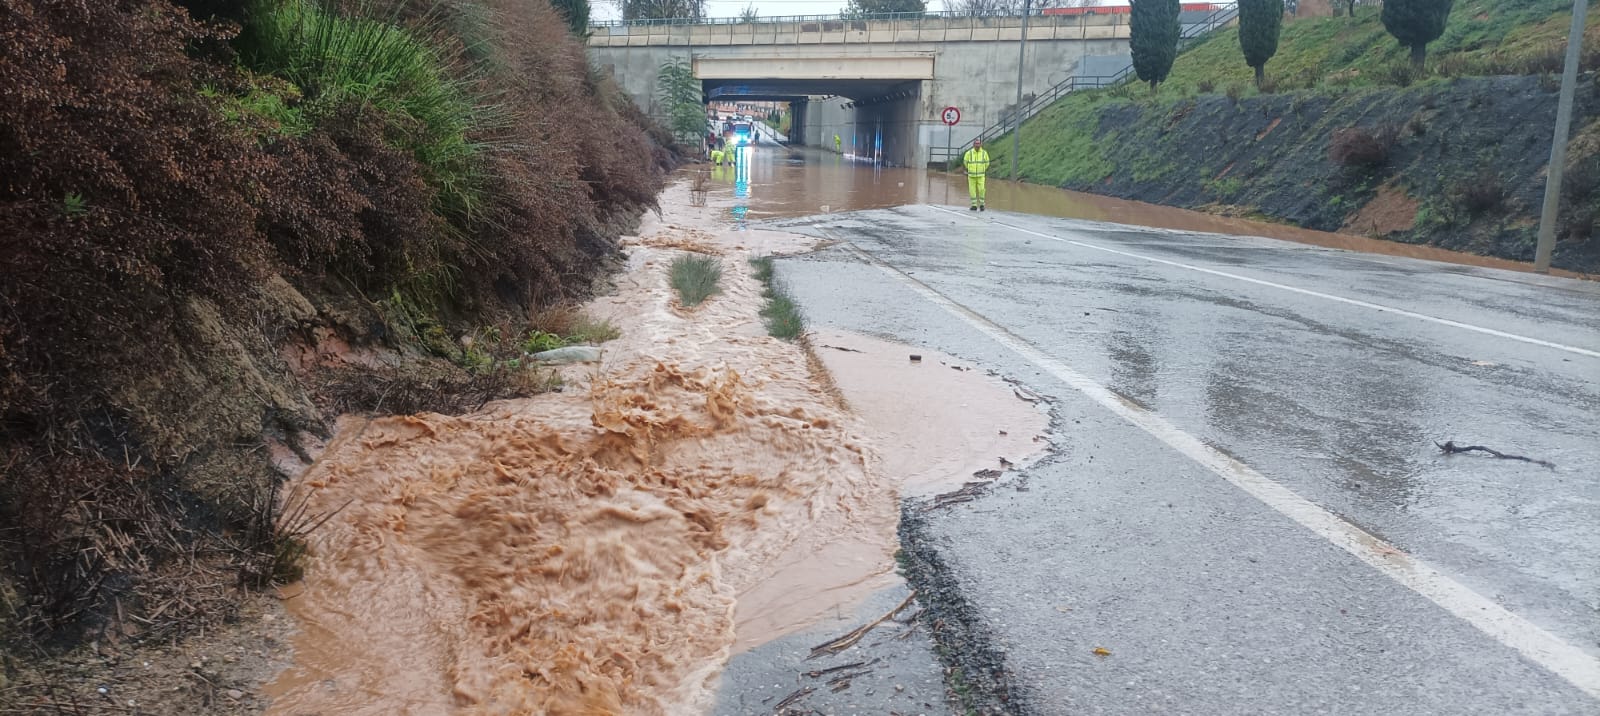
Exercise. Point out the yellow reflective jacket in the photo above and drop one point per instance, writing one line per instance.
(976, 160)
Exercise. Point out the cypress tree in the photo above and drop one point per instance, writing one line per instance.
(1415, 23)
(1259, 22)
(1154, 42)
(577, 14)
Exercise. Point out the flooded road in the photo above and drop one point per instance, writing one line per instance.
(773, 181)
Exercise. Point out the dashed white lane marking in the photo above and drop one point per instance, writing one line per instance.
(1303, 291)
(1540, 646)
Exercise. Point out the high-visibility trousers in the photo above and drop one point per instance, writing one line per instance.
(975, 189)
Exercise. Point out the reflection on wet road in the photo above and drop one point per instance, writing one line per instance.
(1331, 373)
(769, 181)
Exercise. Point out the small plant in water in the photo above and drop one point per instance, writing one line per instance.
(695, 278)
(780, 313)
(588, 330)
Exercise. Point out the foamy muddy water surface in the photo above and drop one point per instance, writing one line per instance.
(585, 552)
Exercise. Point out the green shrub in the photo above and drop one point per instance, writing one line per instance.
(337, 61)
(541, 341)
(695, 277)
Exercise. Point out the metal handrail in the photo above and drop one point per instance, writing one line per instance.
(1033, 106)
(837, 17)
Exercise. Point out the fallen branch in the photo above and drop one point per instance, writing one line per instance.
(842, 348)
(819, 672)
(847, 678)
(791, 698)
(845, 642)
(1450, 448)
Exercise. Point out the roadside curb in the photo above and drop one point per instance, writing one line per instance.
(975, 673)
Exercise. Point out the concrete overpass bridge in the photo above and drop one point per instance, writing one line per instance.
(879, 84)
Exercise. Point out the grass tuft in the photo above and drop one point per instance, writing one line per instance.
(591, 331)
(337, 61)
(695, 277)
(780, 313)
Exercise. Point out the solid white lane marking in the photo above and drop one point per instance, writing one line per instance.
(1303, 291)
(1565, 660)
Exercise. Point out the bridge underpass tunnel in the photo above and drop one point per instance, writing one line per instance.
(883, 124)
(873, 104)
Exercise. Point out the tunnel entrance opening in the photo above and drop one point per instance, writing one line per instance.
(873, 105)
(876, 120)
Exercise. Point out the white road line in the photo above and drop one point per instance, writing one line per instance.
(1540, 646)
(1307, 292)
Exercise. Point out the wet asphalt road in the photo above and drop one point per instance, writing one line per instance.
(1329, 373)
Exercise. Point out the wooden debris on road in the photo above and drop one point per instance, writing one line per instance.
(789, 700)
(848, 640)
(1450, 448)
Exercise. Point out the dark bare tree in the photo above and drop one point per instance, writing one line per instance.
(662, 9)
(1012, 7)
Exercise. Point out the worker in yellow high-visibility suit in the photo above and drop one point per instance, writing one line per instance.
(976, 162)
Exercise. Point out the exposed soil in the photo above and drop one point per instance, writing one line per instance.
(1390, 211)
(216, 671)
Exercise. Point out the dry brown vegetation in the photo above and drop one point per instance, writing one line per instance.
(165, 237)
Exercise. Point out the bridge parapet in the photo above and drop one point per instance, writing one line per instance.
(822, 31)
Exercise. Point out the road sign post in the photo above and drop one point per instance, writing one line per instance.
(951, 117)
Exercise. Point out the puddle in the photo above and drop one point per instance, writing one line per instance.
(932, 424)
(936, 421)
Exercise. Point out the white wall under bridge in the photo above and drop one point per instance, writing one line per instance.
(896, 74)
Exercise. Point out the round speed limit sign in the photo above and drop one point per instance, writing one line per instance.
(951, 116)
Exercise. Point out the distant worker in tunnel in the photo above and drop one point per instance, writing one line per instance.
(976, 162)
(837, 144)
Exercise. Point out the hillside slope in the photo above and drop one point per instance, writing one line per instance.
(1454, 159)
(224, 223)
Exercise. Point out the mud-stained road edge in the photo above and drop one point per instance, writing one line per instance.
(975, 673)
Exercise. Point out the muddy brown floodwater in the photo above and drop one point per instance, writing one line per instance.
(781, 182)
(603, 550)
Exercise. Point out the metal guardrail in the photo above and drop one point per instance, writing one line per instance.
(1017, 116)
(1031, 107)
(837, 17)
